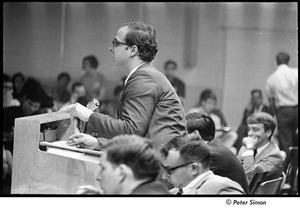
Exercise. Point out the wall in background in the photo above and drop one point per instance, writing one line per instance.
(235, 43)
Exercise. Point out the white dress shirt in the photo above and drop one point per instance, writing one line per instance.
(282, 85)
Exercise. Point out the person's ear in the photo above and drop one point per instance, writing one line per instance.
(196, 133)
(195, 169)
(134, 50)
(124, 172)
(269, 133)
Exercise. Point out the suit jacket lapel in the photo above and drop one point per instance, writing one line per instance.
(265, 152)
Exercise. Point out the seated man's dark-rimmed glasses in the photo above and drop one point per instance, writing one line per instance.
(170, 170)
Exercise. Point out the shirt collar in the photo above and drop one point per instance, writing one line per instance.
(259, 109)
(133, 72)
(260, 149)
(282, 67)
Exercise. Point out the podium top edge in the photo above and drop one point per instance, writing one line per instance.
(46, 117)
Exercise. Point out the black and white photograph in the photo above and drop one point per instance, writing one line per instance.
(167, 101)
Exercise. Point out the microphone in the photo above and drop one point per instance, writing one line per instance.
(92, 105)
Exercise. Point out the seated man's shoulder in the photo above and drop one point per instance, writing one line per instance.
(220, 151)
(154, 187)
(216, 184)
(273, 150)
(272, 156)
(218, 180)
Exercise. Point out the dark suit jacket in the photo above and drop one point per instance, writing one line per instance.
(269, 159)
(149, 107)
(224, 163)
(9, 116)
(179, 86)
(153, 187)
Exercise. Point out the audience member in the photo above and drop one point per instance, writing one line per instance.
(222, 161)
(46, 101)
(224, 134)
(6, 171)
(185, 161)
(93, 80)
(7, 163)
(129, 165)
(30, 106)
(282, 91)
(8, 99)
(61, 93)
(255, 105)
(110, 107)
(258, 152)
(149, 106)
(170, 71)
(18, 80)
(78, 91)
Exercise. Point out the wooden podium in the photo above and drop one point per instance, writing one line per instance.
(43, 162)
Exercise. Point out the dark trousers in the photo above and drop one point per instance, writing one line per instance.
(287, 118)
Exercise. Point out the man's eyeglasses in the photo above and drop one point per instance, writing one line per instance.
(169, 170)
(116, 43)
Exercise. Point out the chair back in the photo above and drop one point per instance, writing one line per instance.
(283, 180)
(292, 157)
(290, 167)
(256, 180)
(269, 187)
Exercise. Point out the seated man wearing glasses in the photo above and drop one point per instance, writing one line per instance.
(186, 165)
(128, 165)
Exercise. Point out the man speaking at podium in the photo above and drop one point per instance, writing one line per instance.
(149, 106)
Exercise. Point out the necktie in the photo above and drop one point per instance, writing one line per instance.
(179, 192)
(255, 152)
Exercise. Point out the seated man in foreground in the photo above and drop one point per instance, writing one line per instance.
(186, 165)
(222, 161)
(129, 165)
(258, 152)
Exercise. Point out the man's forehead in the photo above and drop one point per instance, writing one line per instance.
(210, 101)
(172, 158)
(256, 95)
(79, 87)
(256, 125)
(121, 33)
